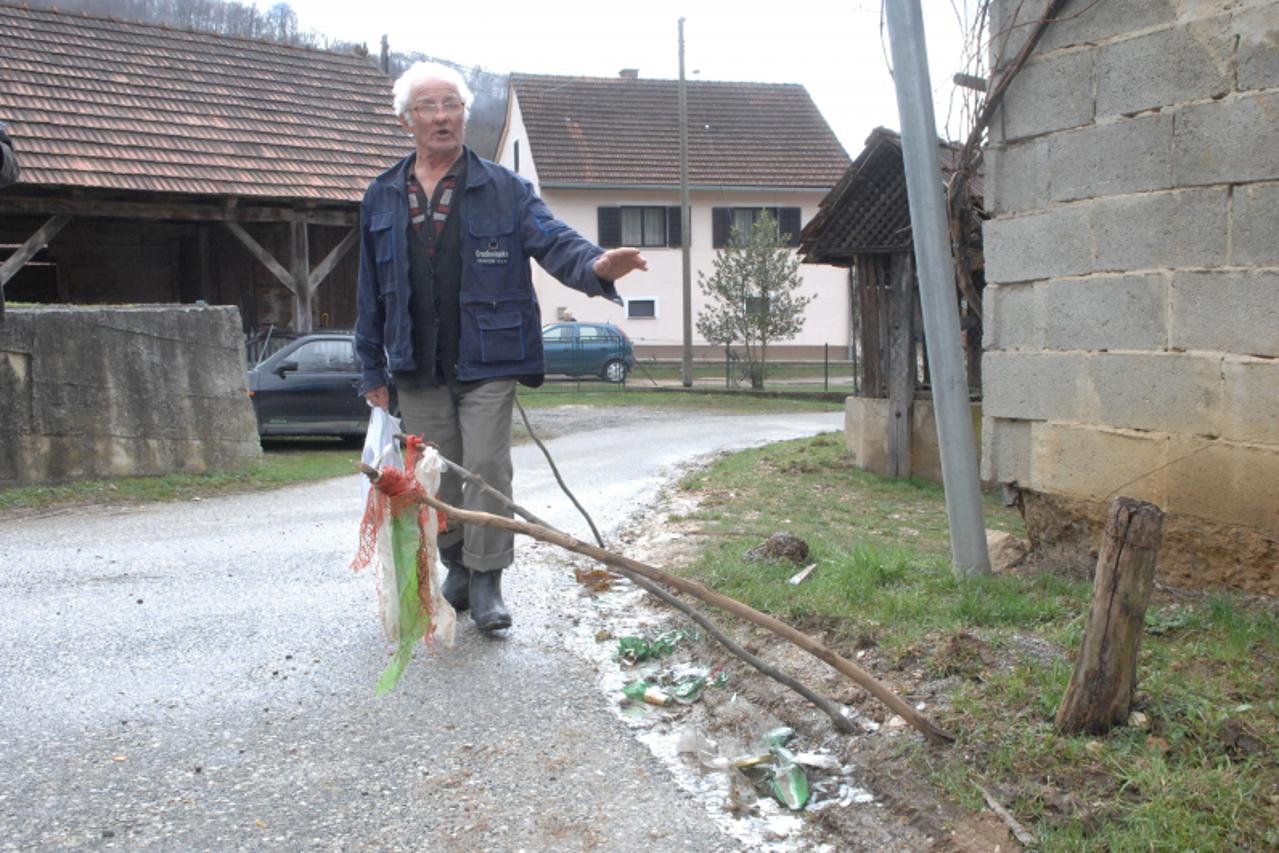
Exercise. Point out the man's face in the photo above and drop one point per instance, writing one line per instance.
(436, 117)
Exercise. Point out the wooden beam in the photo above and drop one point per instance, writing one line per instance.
(226, 212)
(300, 267)
(1100, 691)
(901, 363)
(256, 249)
(332, 259)
(27, 250)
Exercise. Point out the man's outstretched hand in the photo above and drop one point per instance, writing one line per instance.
(616, 263)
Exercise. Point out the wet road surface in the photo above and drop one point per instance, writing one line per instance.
(199, 676)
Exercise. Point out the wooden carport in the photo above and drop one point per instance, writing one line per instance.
(163, 165)
(864, 224)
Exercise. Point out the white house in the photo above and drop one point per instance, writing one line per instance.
(604, 154)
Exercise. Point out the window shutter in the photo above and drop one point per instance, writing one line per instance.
(721, 221)
(788, 222)
(673, 225)
(610, 227)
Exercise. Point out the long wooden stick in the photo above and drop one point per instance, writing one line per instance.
(934, 733)
(828, 707)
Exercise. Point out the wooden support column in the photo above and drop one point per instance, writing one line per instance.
(332, 259)
(300, 268)
(28, 250)
(1100, 692)
(259, 251)
(901, 363)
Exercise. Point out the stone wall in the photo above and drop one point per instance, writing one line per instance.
(122, 391)
(1133, 266)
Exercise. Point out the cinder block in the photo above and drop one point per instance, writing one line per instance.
(866, 432)
(1006, 450)
(1011, 23)
(1050, 93)
(1056, 242)
(1124, 156)
(1224, 481)
(1258, 51)
(1255, 225)
(1228, 141)
(1184, 63)
(1032, 385)
(1250, 400)
(1013, 317)
(1017, 177)
(1128, 312)
(1230, 312)
(1186, 228)
(1088, 22)
(1168, 392)
(1097, 462)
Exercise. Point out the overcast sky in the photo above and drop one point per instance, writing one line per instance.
(833, 48)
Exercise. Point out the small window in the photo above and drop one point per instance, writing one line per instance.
(325, 357)
(591, 333)
(641, 309)
(724, 219)
(643, 226)
(756, 305)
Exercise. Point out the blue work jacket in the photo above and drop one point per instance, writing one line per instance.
(505, 224)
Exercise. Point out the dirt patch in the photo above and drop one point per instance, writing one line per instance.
(1065, 534)
(906, 813)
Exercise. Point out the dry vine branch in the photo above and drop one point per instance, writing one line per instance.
(931, 731)
(827, 706)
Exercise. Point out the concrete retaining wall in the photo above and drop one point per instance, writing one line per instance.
(1132, 336)
(866, 436)
(122, 391)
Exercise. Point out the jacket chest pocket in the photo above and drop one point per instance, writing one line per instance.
(491, 242)
(382, 236)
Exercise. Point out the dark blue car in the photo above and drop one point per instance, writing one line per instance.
(308, 387)
(588, 349)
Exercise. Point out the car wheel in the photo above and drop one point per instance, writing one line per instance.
(615, 371)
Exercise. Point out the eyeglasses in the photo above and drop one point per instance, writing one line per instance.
(451, 106)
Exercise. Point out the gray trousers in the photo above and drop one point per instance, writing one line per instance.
(472, 427)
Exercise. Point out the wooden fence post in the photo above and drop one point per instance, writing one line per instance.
(1100, 691)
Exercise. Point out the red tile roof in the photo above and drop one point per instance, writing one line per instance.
(622, 131)
(104, 104)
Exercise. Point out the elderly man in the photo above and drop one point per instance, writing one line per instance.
(447, 310)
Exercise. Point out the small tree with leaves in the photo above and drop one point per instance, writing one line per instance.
(753, 294)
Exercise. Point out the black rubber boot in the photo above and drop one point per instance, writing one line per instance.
(487, 609)
(457, 586)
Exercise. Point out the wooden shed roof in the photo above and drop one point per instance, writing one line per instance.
(101, 104)
(867, 212)
(624, 131)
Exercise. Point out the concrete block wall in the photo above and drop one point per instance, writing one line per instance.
(1132, 332)
(114, 391)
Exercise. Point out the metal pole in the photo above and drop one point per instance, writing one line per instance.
(685, 229)
(937, 289)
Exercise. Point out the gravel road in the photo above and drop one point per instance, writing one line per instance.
(199, 676)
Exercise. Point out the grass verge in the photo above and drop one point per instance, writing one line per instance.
(1198, 773)
(284, 463)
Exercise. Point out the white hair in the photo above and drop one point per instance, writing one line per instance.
(420, 72)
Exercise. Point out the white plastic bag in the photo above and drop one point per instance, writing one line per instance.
(379, 446)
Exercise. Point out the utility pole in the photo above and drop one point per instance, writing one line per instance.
(685, 226)
(937, 292)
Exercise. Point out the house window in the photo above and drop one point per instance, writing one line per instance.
(641, 309)
(643, 226)
(757, 306)
(724, 219)
(638, 226)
